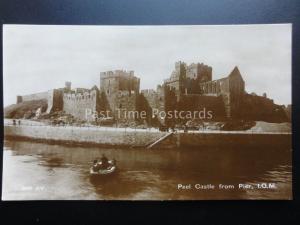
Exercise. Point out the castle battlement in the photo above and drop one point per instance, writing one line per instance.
(179, 63)
(80, 96)
(116, 73)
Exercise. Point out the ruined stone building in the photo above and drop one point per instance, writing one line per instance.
(189, 87)
(194, 88)
(185, 79)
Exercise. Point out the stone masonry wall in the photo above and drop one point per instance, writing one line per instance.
(126, 106)
(78, 104)
(55, 100)
(84, 135)
(141, 139)
(31, 97)
(120, 89)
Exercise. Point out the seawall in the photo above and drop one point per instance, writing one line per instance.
(83, 135)
(238, 139)
(142, 138)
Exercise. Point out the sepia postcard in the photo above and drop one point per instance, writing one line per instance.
(189, 112)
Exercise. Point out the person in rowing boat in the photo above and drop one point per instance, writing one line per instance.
(104, 162)
(96, 166)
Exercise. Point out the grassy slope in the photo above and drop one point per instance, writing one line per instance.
(19, 110)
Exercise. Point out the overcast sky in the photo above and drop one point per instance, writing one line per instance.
(37, 58)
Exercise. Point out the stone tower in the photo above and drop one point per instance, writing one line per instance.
(19, 99)
(199, 71)
(121, 89)
(177, 79)
(68, 85)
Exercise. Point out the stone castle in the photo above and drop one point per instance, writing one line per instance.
(190, 87)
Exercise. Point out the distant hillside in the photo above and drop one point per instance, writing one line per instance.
(24, 109)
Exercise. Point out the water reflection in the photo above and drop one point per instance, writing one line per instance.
(62, 172)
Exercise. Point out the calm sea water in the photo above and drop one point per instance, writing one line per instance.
(36, 171)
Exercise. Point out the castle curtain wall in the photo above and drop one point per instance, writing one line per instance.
(32, 97)
(77, 104)
(55, 100)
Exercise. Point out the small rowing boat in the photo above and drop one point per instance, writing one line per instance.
(97, 169)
